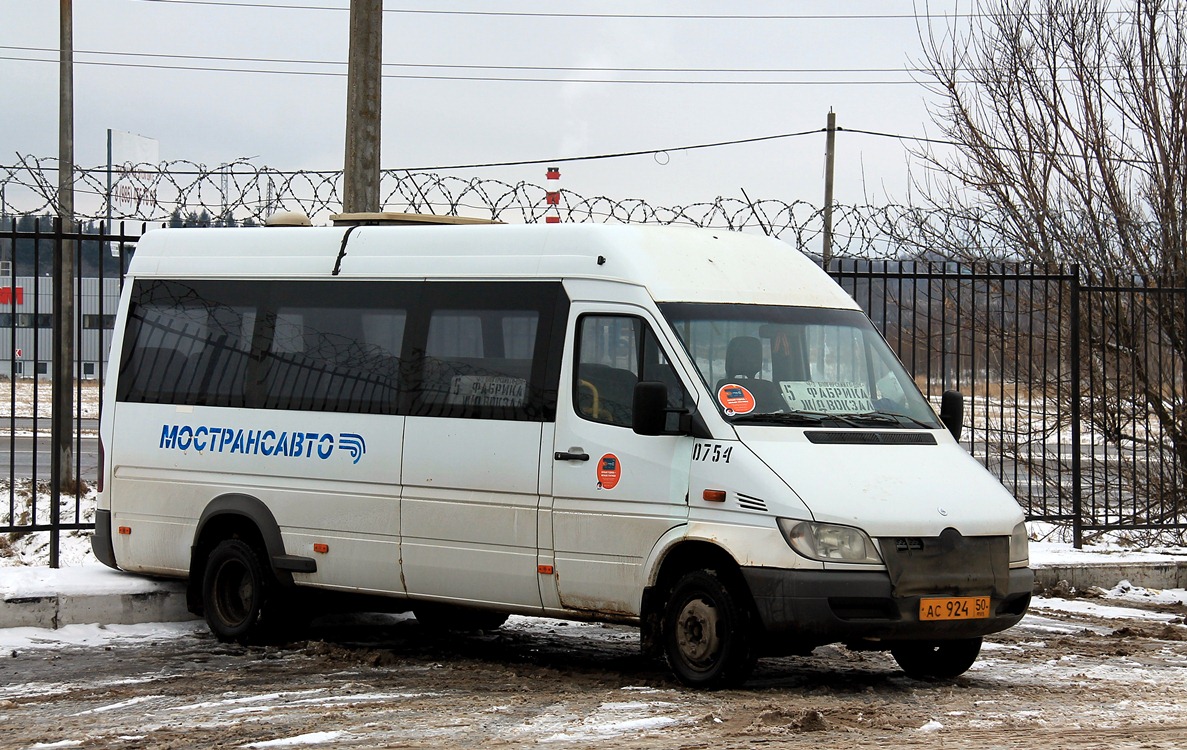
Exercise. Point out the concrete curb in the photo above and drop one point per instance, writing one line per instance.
(1106, 575)
(56, 610)
(45, 598)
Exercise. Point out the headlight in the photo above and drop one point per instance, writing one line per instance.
(1020, 545)
(829, 543)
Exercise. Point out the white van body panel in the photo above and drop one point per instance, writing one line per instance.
(671, 263)
(280, 252)
(469, 510)
(601, 536)
(165, 483)
(890, 490)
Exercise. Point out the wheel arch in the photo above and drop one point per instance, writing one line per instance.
(680, 556)
(231, 516)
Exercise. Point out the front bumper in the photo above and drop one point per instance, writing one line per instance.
(803, 609)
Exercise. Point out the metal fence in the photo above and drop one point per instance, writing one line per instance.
(1074, 388)
(49, 415)
(1075, 394)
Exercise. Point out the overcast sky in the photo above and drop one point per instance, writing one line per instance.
(295, 120)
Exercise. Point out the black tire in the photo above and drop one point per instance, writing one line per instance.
(936, 660)
(435, 616)
(707, 632)
(237, 593)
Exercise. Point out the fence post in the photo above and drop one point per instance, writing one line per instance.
(1077, 485)
(59, 393)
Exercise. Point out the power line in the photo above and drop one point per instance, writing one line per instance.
(489, 79)
(1004, 149)
(464, 66)
(569, 68)
(519, 79)
(521, 163)
(617, 16)
(618, 155)
(623, 154)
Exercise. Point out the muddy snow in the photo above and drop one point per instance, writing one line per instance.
(1104, 671)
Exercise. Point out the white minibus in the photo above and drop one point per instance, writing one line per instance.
(694, 432)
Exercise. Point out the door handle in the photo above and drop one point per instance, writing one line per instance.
(575, 455)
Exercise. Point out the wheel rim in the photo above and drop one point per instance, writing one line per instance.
(696, 634)
(234, 591)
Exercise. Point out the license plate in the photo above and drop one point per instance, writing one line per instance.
(954, 608)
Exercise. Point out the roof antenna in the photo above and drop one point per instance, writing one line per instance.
(754, 211)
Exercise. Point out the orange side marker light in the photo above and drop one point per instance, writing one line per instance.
(321, 548)
(714, 496)
(125, 529)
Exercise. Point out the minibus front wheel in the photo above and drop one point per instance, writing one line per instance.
(235, 591)
(936, 660)
(707, 632)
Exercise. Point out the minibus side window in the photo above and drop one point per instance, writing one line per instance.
(185, 345)
(614, 352)
(486, 350)
(322, 359)
(466, 362)
(265, 344)
(452, 349)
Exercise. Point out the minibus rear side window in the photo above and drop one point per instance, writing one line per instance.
(185, 344)
(295, 345)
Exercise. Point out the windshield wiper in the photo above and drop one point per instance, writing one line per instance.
(886, 418)
(798, 417)
(782, 417)
(912, 420)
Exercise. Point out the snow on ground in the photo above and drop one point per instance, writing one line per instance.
(35, 398)
(84, 574)
(29, 504)
(92, 635)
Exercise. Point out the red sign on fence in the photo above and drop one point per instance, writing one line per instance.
(6, 295)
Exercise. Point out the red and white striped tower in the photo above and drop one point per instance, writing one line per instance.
(553, 195)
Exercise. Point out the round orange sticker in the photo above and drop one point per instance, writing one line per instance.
(609, 471)
(735, 399)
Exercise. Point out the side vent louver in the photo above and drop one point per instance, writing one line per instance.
(751, 503)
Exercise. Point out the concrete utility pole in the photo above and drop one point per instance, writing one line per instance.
(364, 94)
(829, 156)
(61, 428)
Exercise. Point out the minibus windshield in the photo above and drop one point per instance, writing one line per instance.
(803, 366)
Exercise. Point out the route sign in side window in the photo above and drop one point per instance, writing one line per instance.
(488, 351)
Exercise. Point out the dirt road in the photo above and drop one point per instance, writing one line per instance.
(1109, 678)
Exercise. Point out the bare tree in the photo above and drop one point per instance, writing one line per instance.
(1071, 123)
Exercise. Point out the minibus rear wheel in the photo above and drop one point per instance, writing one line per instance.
(707, 632)
(235, 592)
(936, 660)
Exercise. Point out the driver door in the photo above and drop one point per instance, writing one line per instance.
(615, 493)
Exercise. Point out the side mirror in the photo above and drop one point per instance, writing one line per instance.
(952, 412)
(650, 408)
